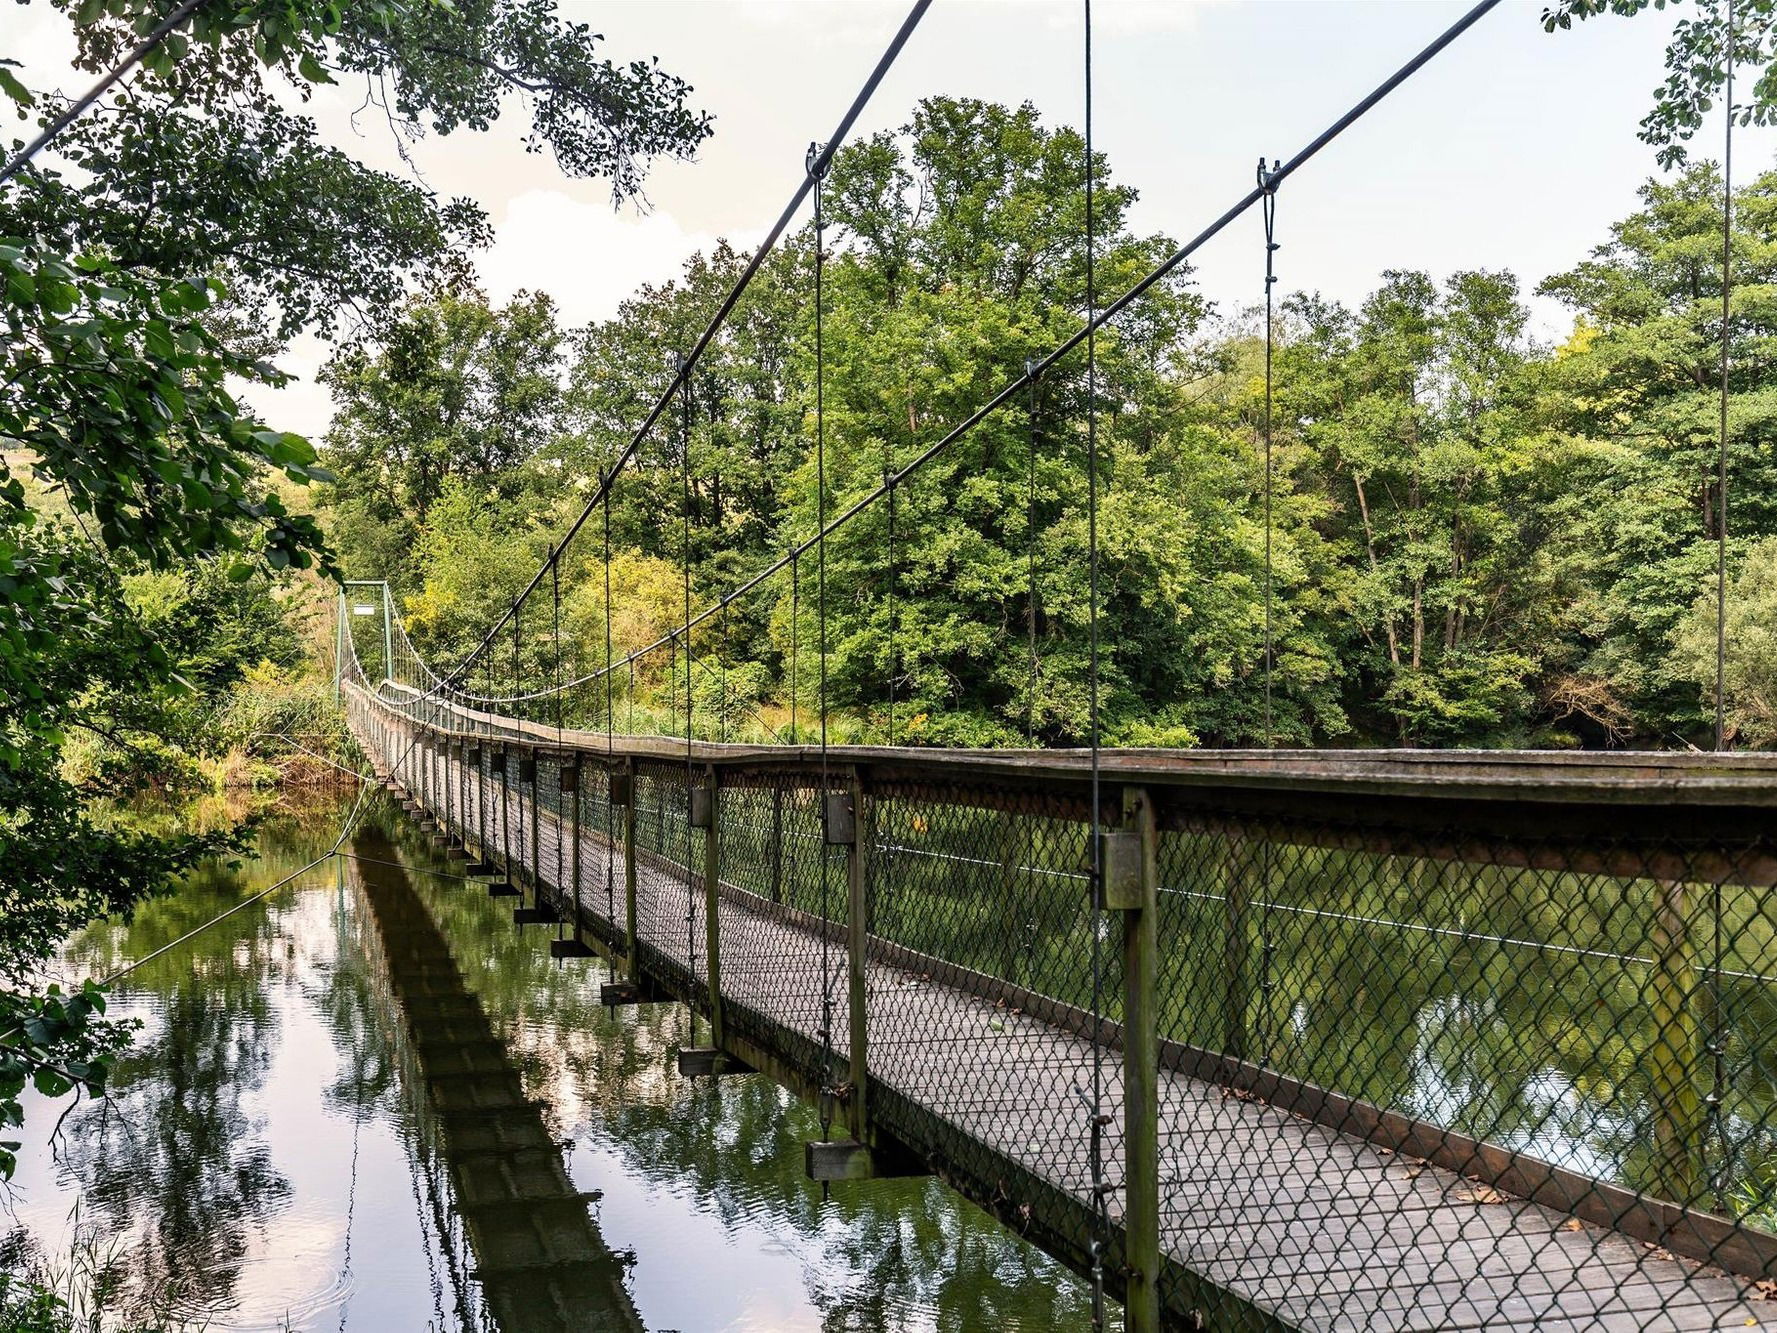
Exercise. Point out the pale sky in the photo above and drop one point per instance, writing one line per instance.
(1514, 149)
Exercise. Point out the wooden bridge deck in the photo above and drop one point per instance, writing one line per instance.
(1307, 1226)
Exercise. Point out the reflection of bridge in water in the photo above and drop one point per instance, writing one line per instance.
(539, 1259)
(905, 935)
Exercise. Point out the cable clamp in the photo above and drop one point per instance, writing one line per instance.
(1269, 178)
(812, 162)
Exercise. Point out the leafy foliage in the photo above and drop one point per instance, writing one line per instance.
(166, 246)
(1696, 68)
(1475, 540)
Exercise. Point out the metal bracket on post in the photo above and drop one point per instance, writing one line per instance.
(570, 777)
(622, 790)
(527, 769)
(1120, 887)
(839, 820)
(496, 763)
(703, 807)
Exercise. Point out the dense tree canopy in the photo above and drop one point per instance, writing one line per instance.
(165, 246)
(1476, 540)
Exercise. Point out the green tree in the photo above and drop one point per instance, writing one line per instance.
(1696, 73)
(115, 369)
(937, 297)
(1638, 387)
(1417, 409)
(456, 391)
(1749, 676)
(194, 167)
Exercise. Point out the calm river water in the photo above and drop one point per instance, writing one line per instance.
(280, 1152)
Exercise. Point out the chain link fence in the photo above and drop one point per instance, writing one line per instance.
(1448, 1055)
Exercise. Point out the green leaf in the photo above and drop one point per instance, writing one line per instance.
(17, 91)
(312, 70)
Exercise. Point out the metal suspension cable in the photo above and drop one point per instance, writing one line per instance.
(795, 665)
(894, 573)
(1717, 1044)
(690, 762)
(610, 754)
(720, 317)
(1721, 457)
(1269, 211)
(1030, 556)
(1095, 1134)
(561, 865)
(160, 32)
(1105, 315)
(817, 172)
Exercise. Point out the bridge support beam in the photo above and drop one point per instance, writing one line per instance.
(614, 994)
(529, 772)
(847, 1159)
(709, 1061)
(706, 812)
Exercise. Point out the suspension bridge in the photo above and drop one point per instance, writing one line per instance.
(1264, 1039)
(902, 936)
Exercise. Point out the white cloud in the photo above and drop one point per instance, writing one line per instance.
(588, 256)
(1128, 18)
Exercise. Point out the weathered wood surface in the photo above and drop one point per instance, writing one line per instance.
(1619, 777)
(1318, 1228)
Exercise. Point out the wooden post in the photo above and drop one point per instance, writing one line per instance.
(1675, 1057)
(629, 873)
(579, 909)
(1141, 1076)
(777, 844)
(505, 814)
(712, 917)
(1237, 893)
(857, 920)
(480, 807)
(1009, 895)
(536, 841)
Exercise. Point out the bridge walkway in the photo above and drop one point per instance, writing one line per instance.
(1304, 1225)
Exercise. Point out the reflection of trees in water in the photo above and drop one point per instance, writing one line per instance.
(172, 1159)
(172, 1165)
(888, 1255)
